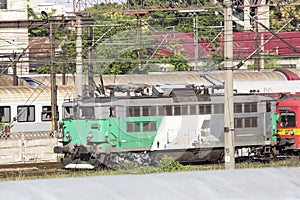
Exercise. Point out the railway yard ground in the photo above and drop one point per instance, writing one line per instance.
(16, 172)
(257, 181)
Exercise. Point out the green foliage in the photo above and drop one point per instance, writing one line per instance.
(168, 164)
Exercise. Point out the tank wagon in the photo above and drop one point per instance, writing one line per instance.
(184, 123)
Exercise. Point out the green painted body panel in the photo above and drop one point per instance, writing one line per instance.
(112, 132)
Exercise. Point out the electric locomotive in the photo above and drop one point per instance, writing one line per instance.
(288, 124)
(185, 123)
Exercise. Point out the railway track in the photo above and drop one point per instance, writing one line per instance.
(31, 170)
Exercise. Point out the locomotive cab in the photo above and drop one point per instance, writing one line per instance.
(288, 129)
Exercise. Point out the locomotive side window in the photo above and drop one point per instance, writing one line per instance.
(287, 119)
(5, 114)
(149, 126)
(238, 108)
(26, 113)
(184, 110)
(250, 107)
(134, 111)
(168, 110)
(193, 109)
(218, 108)
(250, 122)
(177, 110)
(87, 112)
(146, 111)
(238, 123)
(204, 109)
(47, 113)
(133, 127)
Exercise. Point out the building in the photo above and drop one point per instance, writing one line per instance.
(13, 41)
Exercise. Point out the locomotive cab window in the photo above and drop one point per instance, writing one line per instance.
(26, 113)
(69, 112)
(5, 114)
(87, 112)
(287, 119)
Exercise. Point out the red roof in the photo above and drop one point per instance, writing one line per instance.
(185, 42)
(244, 42)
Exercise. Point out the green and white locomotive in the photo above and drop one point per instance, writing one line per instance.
(186, 123)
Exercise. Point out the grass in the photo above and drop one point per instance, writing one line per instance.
(167, 164)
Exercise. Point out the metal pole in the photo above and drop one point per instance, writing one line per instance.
(78, 77)
(196, 48)
(228, 105)
(53, 79)
(90, 64)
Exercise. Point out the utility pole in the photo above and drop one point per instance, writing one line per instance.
(90, 64)
(228, 103)
(196, 47)
(78, 77)
(53, 79)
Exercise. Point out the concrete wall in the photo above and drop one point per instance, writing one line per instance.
(26, 149)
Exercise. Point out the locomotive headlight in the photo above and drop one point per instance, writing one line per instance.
(292, 132)
(68, 136)
(89, 137)
(286, 132)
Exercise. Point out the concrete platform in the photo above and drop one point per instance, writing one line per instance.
(267, 183)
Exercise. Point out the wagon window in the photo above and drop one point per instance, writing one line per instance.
(5, 114)
(287, 119)
(3, 4)
(47, 113)
(26, 113)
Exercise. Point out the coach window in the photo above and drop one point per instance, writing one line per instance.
(5, 114)
(250, 107)
(3, 4)
(26, 113)
(149, 126)
(47, 113)
(133, 127)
